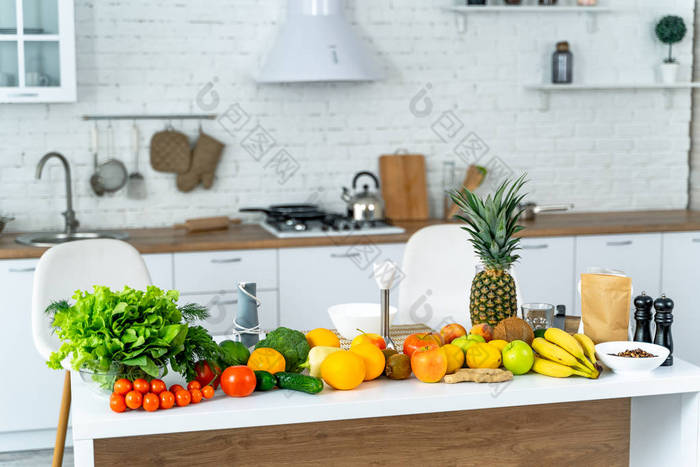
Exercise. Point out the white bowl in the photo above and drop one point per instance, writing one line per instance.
(628, 364)
(349, 317)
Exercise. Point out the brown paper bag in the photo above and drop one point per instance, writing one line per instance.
(605, 306)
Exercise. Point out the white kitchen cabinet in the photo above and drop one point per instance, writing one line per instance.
(312, 279)
(214, 271)
(222, 310)
(211, 278)
(681, 281)
(545, 271)
(160, 268)
(637, 255)
(37, 51)
(28, 415)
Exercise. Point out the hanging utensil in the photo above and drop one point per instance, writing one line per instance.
(136, 188)
(112, 172)
(95, 179)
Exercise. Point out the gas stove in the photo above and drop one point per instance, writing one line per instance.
(330, 225)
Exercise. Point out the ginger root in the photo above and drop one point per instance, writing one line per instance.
(479, 375)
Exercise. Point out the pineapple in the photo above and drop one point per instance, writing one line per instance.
(491, 224)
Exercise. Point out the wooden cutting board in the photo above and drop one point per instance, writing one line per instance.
(404, 186)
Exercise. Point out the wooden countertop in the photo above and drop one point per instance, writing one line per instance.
(252, 236)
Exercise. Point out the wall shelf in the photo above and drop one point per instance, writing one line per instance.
(546, 89)
(591, 12)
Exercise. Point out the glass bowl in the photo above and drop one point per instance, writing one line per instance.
(101, 382)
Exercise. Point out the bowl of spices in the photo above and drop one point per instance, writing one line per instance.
(630, 356)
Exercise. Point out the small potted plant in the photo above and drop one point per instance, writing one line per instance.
(670, 30)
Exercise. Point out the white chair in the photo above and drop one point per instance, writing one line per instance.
(61, 271)
(439, 264)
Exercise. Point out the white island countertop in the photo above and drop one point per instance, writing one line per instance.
(92, 417)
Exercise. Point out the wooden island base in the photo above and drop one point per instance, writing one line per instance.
(574, 433)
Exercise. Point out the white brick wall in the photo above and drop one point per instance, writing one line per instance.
(599, 150)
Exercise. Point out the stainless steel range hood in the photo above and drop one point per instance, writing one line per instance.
(317, 44)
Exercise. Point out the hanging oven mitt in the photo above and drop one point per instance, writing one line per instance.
(170, 152)
(205, 159)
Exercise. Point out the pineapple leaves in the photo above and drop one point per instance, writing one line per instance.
(492, 222)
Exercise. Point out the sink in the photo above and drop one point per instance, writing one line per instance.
(48, 239)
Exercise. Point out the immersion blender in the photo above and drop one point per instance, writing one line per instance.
(384, 275)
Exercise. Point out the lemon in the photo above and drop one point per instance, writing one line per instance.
(343, 370)
(374, 359)
(499, 343)
(454, 356)
(323, 337)
(482, 355)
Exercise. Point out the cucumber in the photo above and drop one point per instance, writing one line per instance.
(264, 380)
(297, 382)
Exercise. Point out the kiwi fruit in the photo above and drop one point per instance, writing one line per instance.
(398, 366)
(388, 353)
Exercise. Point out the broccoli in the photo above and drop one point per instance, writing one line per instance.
(291, 344)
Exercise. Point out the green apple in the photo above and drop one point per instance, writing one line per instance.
(464, 342)
(518, 357)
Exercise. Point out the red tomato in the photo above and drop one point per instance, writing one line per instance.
(208, 392)
(158, 386)
(208, 373)
(175, 388)
(193, 385)
(183, 398)
(167, 400)
(196, 395)
(116, 402)
(133, 399)
(151, 402)
(421, 340)
(141, 385)
(122, 386)
(238, 381)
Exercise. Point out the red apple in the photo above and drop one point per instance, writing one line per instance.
(483, 330)
(369, 338)
(451, 332)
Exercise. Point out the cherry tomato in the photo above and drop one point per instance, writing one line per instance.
(141, 385)
(133, 399)
(122, 386)
(208, 392)
(116, 402)
(196, 396)
(193, 385)
(158, 386)
(183, 398)
(175, 388)
(238, 381)
(167, 400)
(151, 402)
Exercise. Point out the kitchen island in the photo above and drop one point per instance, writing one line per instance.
(640, 419)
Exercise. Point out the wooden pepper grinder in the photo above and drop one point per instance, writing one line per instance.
(642, 316)
(663, 319)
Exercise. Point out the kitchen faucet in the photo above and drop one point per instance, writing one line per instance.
(71, 222)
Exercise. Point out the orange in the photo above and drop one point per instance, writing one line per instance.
(266, 359)
(323, 337)
(374, 359)
(454, 356)
(343, 370)
(429, 365)
(499, 343)
(483, 355)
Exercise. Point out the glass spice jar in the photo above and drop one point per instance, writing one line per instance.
(562, 64)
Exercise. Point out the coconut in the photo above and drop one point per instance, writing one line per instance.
(514, 328)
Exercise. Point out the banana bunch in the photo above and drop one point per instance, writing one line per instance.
(560, 355)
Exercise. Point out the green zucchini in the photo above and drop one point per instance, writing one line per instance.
(297, 382)
(264, 380)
